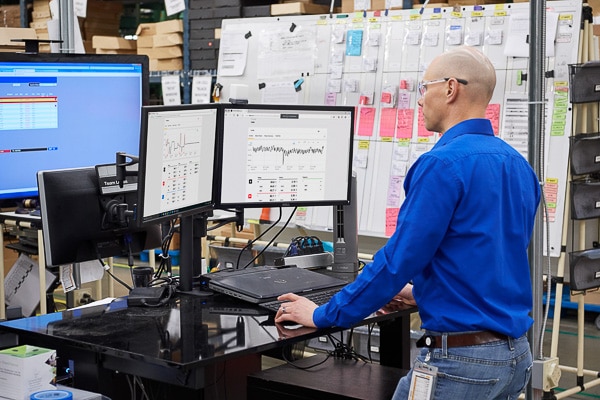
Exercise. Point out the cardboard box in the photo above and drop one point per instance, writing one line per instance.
(7, 34)
(298, 8)
(41, 24)
(155, 28)
(25, 370)
(589, 297)
(167, 64)
(348, 6)
(41, 14)
(11, 15)
(113, 42)
(160, 53)
(112, 51)
(160, 40)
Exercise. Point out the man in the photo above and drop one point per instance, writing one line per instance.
(461, 238)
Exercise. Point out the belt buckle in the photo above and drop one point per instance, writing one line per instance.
(426, 341)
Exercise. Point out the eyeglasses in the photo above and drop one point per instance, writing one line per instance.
(423, 85)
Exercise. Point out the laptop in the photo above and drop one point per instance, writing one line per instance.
(262, 286)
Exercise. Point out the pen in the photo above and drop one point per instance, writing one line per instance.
(423, 7)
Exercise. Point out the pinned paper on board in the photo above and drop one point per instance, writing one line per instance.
(279, 93)
(517, 43)
(354, 42)
(233, 53)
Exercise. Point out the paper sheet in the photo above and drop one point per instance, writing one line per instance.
(233, 54)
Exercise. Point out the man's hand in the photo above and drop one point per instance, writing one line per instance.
(297, 309)
(290, 332)
(401, 301)
(406, 295)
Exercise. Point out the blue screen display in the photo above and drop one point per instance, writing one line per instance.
(57, 114)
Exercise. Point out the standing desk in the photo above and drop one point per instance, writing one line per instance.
(192, 347)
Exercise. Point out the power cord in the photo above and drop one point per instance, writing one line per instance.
(345, 351)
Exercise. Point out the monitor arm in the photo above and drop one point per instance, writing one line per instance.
(122, 165)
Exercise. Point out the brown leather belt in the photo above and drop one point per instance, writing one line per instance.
(462, 339)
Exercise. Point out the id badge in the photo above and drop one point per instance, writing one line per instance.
(422, 384)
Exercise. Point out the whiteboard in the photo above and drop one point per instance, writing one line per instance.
(374, 61)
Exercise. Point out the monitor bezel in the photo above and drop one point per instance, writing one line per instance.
(76, 58)
(284, 107)
(189, 210)
(141, 59)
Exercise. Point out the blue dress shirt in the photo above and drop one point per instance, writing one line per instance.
(462, 236)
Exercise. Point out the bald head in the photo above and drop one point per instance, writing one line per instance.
(471, 65)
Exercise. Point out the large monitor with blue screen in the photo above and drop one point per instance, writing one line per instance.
(66, 110)
(285, 155)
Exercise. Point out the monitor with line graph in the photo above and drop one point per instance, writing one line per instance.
(285, 155)
(176, 162)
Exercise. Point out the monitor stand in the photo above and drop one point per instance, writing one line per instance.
(192, 230)
(345, 240)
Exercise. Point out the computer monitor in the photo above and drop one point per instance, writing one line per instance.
(80, 224)
(176, 162)
(285, 155)
(66, 110)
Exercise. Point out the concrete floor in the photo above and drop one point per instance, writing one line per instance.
(567, 353)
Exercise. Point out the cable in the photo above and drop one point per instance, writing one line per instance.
(293, 364)
(251, 243)
(112, 275)
(165, 259)
(260, 253)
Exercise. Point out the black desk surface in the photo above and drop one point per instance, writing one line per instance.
(188, 333)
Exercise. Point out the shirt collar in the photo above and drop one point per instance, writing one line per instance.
(480, 126)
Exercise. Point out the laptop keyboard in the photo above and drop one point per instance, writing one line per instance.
(319, 298)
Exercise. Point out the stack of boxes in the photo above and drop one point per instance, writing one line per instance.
(10, 16)
(103, 18)
(40, 15)
(162, 42)
(113, 45)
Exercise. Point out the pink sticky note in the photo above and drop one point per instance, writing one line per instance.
(387, 122)
(404, 127)
(493, 114)
(366, 121)
(391, 217)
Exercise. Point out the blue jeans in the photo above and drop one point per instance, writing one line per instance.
(497, 370)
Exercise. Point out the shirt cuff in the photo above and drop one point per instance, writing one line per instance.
(319, 318)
